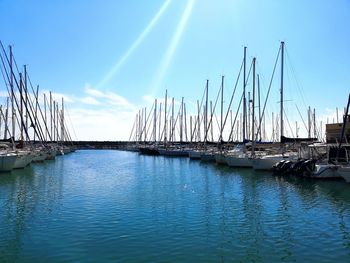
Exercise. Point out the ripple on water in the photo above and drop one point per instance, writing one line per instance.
(113, 206)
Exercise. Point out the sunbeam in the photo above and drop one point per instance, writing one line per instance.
(172, 47)
(133, 47)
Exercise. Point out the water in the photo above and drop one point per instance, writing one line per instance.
(112, 206)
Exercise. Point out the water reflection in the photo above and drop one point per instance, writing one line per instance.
(17, 205)
(23, 193)
(131, 207)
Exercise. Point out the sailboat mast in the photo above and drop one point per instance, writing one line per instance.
(181, 119)
(62, 122)
(145, 127)
(185, 118)
(155, 121)
(172, 120)
(57, 122)
(198, 122)
(253, 110)
(314, 119)
(12, 95)
(6, 118)
(210, 123)
(52, 135)
(206, 112)
(54, 121)
(282, 64)
(139, 126)
(273, 127)
(21, 104)
(165, 118)
(191, 129)
(248, 117)
(36, 111)
(244, 97)
(160, 121)
(259, 106)
(222, 108)
(45, 101)
(26, 98)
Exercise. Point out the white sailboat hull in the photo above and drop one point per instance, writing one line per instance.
(266, 162)
(239, 161)
(22, 160)
(7, 161)
(39, 156)
(344, 172)
(326, 171)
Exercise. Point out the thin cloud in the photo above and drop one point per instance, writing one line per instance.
(90, 101)
(93, 92)
(109, 98)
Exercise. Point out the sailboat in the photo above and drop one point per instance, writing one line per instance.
(338, 165)
(267, 161)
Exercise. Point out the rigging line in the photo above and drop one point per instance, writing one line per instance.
(268, 93)
(234, 122)
(174, 126)
(11, 137)
(8, 91)
(38, 107)
(250, 68)
(16, 82)
(149, 126)
(14, 96)
(217, 122)
(132, 130)
(212, 112)
(285, 114)
(144, 129)
(232, 96)
(301, 116)
(160, 122)
(295, 77)
(165, 121)
(262, 88)
(200, 107)
(13, 58)
(71, 123)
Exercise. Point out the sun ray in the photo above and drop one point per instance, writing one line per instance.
(172, 47)
(135, 45)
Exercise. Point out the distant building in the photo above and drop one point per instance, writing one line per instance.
(334, 130)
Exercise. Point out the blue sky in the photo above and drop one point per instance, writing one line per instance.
(109, 58)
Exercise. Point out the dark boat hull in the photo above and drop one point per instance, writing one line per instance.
(148, 151)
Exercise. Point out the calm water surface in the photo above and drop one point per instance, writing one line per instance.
(112, 206)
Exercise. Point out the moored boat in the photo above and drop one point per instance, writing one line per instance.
(208, 156)
(220, 158)
(239, 160)
(7, 161)
(148, 150)
(23, 159)
(344, 171)
(173, 152)
(268, 161)
(39, 156)
(195, 154)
